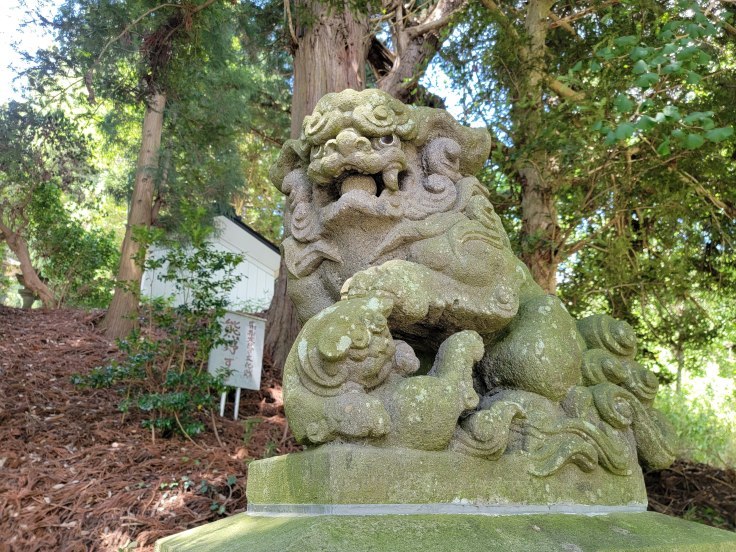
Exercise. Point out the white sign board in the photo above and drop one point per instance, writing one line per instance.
(244, 355)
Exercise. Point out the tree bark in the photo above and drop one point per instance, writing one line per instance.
(31, 279)
(121, 317)
(329, 56)
(539, 228)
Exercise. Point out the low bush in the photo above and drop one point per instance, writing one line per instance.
(704, 417)
(164, 372)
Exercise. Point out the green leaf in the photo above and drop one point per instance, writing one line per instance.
(624, 130)
(647, 79)
(595, 66)
(694, 30)
(623, 104)
(605, 53)
(696, 116)
(577, 67)
(719, 134)
(694, 141)
(693, 77)
(624, 41)
(638, 53)
(669, 49)
(664, 148)
(645, 122)
(670, 68)
(659, 60)
(671, 112)
(687, 52)
(640, 67)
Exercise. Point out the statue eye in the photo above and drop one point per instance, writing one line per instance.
(388, 140)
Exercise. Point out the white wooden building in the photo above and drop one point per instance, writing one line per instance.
(258, 271)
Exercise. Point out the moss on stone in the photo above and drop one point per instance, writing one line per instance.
(645, 531)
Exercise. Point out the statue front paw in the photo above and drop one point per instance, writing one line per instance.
(405, 283)
(356, 415)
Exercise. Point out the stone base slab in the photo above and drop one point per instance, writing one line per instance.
(646, 531)
(354, 476)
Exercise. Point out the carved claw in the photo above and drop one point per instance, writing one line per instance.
(486, 433)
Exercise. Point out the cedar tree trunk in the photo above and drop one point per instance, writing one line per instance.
(329, 56)
(539, 229)
(121, 317)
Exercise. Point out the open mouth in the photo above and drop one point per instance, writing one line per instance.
(372, 184)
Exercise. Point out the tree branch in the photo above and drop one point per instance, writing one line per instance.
(415, 45)
(563, 24)
(564, 91)
(90, 71)
(437, 23)
(582, 13)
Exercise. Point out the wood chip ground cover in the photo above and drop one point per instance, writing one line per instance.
(77, 476)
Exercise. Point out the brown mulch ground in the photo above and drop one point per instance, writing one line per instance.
(697, 492)
(75, 476)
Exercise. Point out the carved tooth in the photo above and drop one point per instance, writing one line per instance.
(391, 179)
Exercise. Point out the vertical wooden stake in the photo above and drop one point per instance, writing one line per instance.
(237, 403)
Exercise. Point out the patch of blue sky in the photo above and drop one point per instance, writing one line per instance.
(18, 35)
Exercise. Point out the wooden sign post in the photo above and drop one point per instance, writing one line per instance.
(243, 355)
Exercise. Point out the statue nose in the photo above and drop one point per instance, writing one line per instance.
(349, 142)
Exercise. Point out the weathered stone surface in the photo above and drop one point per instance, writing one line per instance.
(432, 375)
(422, 329)
(646, 531)
(445, 481)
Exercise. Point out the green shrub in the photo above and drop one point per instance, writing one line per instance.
(705, 422)
(164, 371)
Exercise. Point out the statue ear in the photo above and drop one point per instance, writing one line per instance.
(294, 154)
(475, 143)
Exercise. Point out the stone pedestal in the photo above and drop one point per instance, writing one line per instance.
(354, 479)
(353, 498)
(646, 531)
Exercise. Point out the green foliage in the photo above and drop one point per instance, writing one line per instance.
(164, 373)
(640, 165)
(6, 283)
(77, 263)
(225, 81)
(38, 147)
(666, 63)
(706, 426)
(45, 176)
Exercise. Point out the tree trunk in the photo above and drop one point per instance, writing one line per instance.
(31, 280)
(121, 317)
(329, 56)
(539, 229)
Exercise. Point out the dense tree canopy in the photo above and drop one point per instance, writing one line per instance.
(612, 164)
